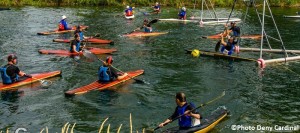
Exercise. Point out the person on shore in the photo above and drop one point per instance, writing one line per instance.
(182, 13)
(186, 111)
(156, 8)
(10, 73)
(63, 25)
(76, 44)
(129, 11)
(107, 73)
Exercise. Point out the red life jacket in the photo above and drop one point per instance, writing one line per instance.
(129, 13)
(61, 26)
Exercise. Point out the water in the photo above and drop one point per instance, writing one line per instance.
(252, 98)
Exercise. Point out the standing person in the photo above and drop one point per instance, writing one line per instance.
(63, 25)
(182, 13)
(129, 11)
(107, 73)
(10, 73)
(183, 108)
(76, 45)
(156, 8)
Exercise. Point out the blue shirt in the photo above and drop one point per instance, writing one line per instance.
(65, 24)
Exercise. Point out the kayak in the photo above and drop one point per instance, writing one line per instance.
(207, 123)
(36, 77)
(90, 40)
(220, 55)
(3, 8)
(67, 52)
(129, 17)
(101, 86)
(257, 36)
(204, 22)
(295, 16)
(143, 34)
(61, 32)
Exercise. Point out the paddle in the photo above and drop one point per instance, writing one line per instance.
(44, 83)
(151, 22)
(201, 105)
(91, 56)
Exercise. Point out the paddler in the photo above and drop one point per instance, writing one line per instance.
(156, 8)
(63, 25)
(235, 30)
(182, 13)
(228, 46)
(147, 26)
(128, 11)
(183, 107)
(107, 73)
(10, 73)
(76, 45)
(80, 33)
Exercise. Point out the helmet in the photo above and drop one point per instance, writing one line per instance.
(109, 60)
(11, 57)
(127, 7)
(63, 17)
(183, 8)
(156, 3)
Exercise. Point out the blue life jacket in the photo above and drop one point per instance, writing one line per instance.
(80, 35)
(148, 30)
(229, 48)
(103, 75)
(77, 47)
(184, 121)
(157, 7)
(236, 31)
(182, 13)
(65, 24)
(5, 78)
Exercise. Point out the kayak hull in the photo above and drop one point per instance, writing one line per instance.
(102, 86)
(90, 40)
(67, 52)
(243, 36)
(220, 55)
(36, 77)
(207, 124)
(61, 32)
(129, 17)
(144, 34)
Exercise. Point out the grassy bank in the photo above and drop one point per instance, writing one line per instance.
(174, 3)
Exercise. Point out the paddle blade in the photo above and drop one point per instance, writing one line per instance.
(45, 83)
(217, 47)
(89, 55)
(153, 21)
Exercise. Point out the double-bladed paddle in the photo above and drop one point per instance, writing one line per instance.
(44, 82)
(201, 105)
(93, 57)
(150, 23)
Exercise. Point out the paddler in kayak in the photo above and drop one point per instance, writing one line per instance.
(63, 25)
(147, 26)
(156, 8)
(128, 11)
(76, 45)
(107, 73)
(10, 73)
(182, 13)
(188, 120)
(80, 33)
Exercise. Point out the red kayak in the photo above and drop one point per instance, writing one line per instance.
(67, 52)
(101, 86)
(142, 34)
(90, 40)
(61, 31)
(36, 77)
(243, 36)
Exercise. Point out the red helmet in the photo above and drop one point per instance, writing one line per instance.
(109, 60)
(11, 57)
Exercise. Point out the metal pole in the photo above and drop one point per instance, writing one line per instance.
(201, 12)
(208, 9)
(213, 9)
(262, 29)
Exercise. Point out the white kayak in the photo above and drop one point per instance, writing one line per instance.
(129, 17)
(295, 16)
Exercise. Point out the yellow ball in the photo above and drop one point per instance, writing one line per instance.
(195, 53)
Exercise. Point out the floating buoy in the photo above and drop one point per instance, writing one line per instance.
(261, 63)
(237, 49)
(195, 53)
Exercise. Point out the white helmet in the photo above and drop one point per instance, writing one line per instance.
(127, 7)
(63, 17)
(183, 8)
(156, 3)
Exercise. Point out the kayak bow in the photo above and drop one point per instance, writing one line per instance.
(144, 34)
(89, 40)
(67, 52)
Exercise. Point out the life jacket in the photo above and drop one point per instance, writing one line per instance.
(236, 31)
(80, 35)
(129, 12)
(182, 15)
(148, 29)
(184, 121)
(61, 26)
(103, 75)
(157, 7)
(5, 78)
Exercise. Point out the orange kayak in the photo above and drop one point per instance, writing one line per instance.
(142, 34)
(90, 40)
(36, 77)
(67, 52)
(243, 36)
(101, 86)
(61, 31)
